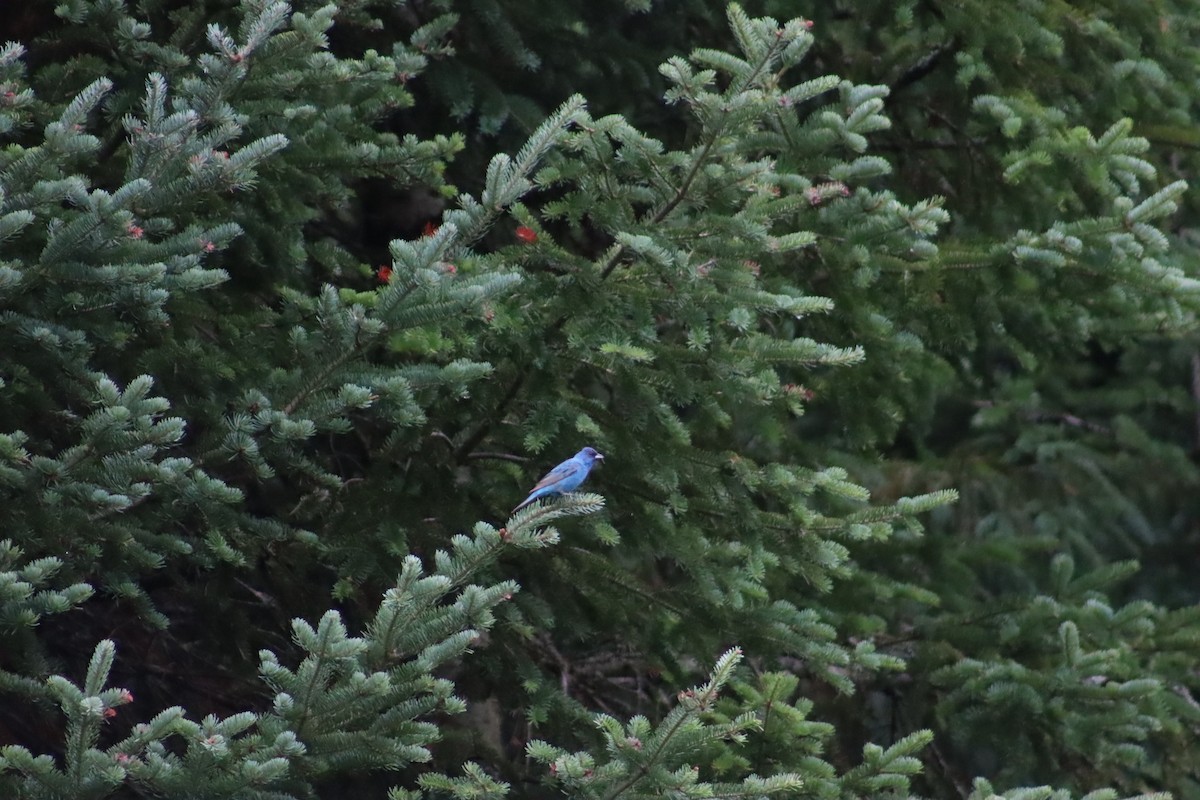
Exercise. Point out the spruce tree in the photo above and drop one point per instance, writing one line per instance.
(299, 299)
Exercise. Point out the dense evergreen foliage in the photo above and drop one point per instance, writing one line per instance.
(883, 314)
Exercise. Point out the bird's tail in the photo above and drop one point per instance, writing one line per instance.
(522, 504)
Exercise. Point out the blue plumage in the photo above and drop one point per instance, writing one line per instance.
(566, 477)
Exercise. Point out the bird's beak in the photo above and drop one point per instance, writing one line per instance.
(599, 456)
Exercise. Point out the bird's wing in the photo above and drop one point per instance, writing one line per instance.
(559, 473)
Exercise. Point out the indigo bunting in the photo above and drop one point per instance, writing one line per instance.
(566, 477)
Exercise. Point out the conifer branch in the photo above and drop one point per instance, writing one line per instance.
(718, 129)
(317, 673)
(513, 457)
(319, 381)
(644, 769)
(484, 428)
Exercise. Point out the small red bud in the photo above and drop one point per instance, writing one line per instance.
(449, 268)
(134, 231)
(122, 758)
(526, 234)
(430, 229)
(126, 696)
(384, 274)
(109, 713)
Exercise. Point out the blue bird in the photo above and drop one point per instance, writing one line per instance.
(566, 477)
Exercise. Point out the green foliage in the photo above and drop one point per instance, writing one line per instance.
(351, 704)
(884, 321)
(646, 761)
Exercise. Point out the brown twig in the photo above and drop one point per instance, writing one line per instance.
(1196, 391)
